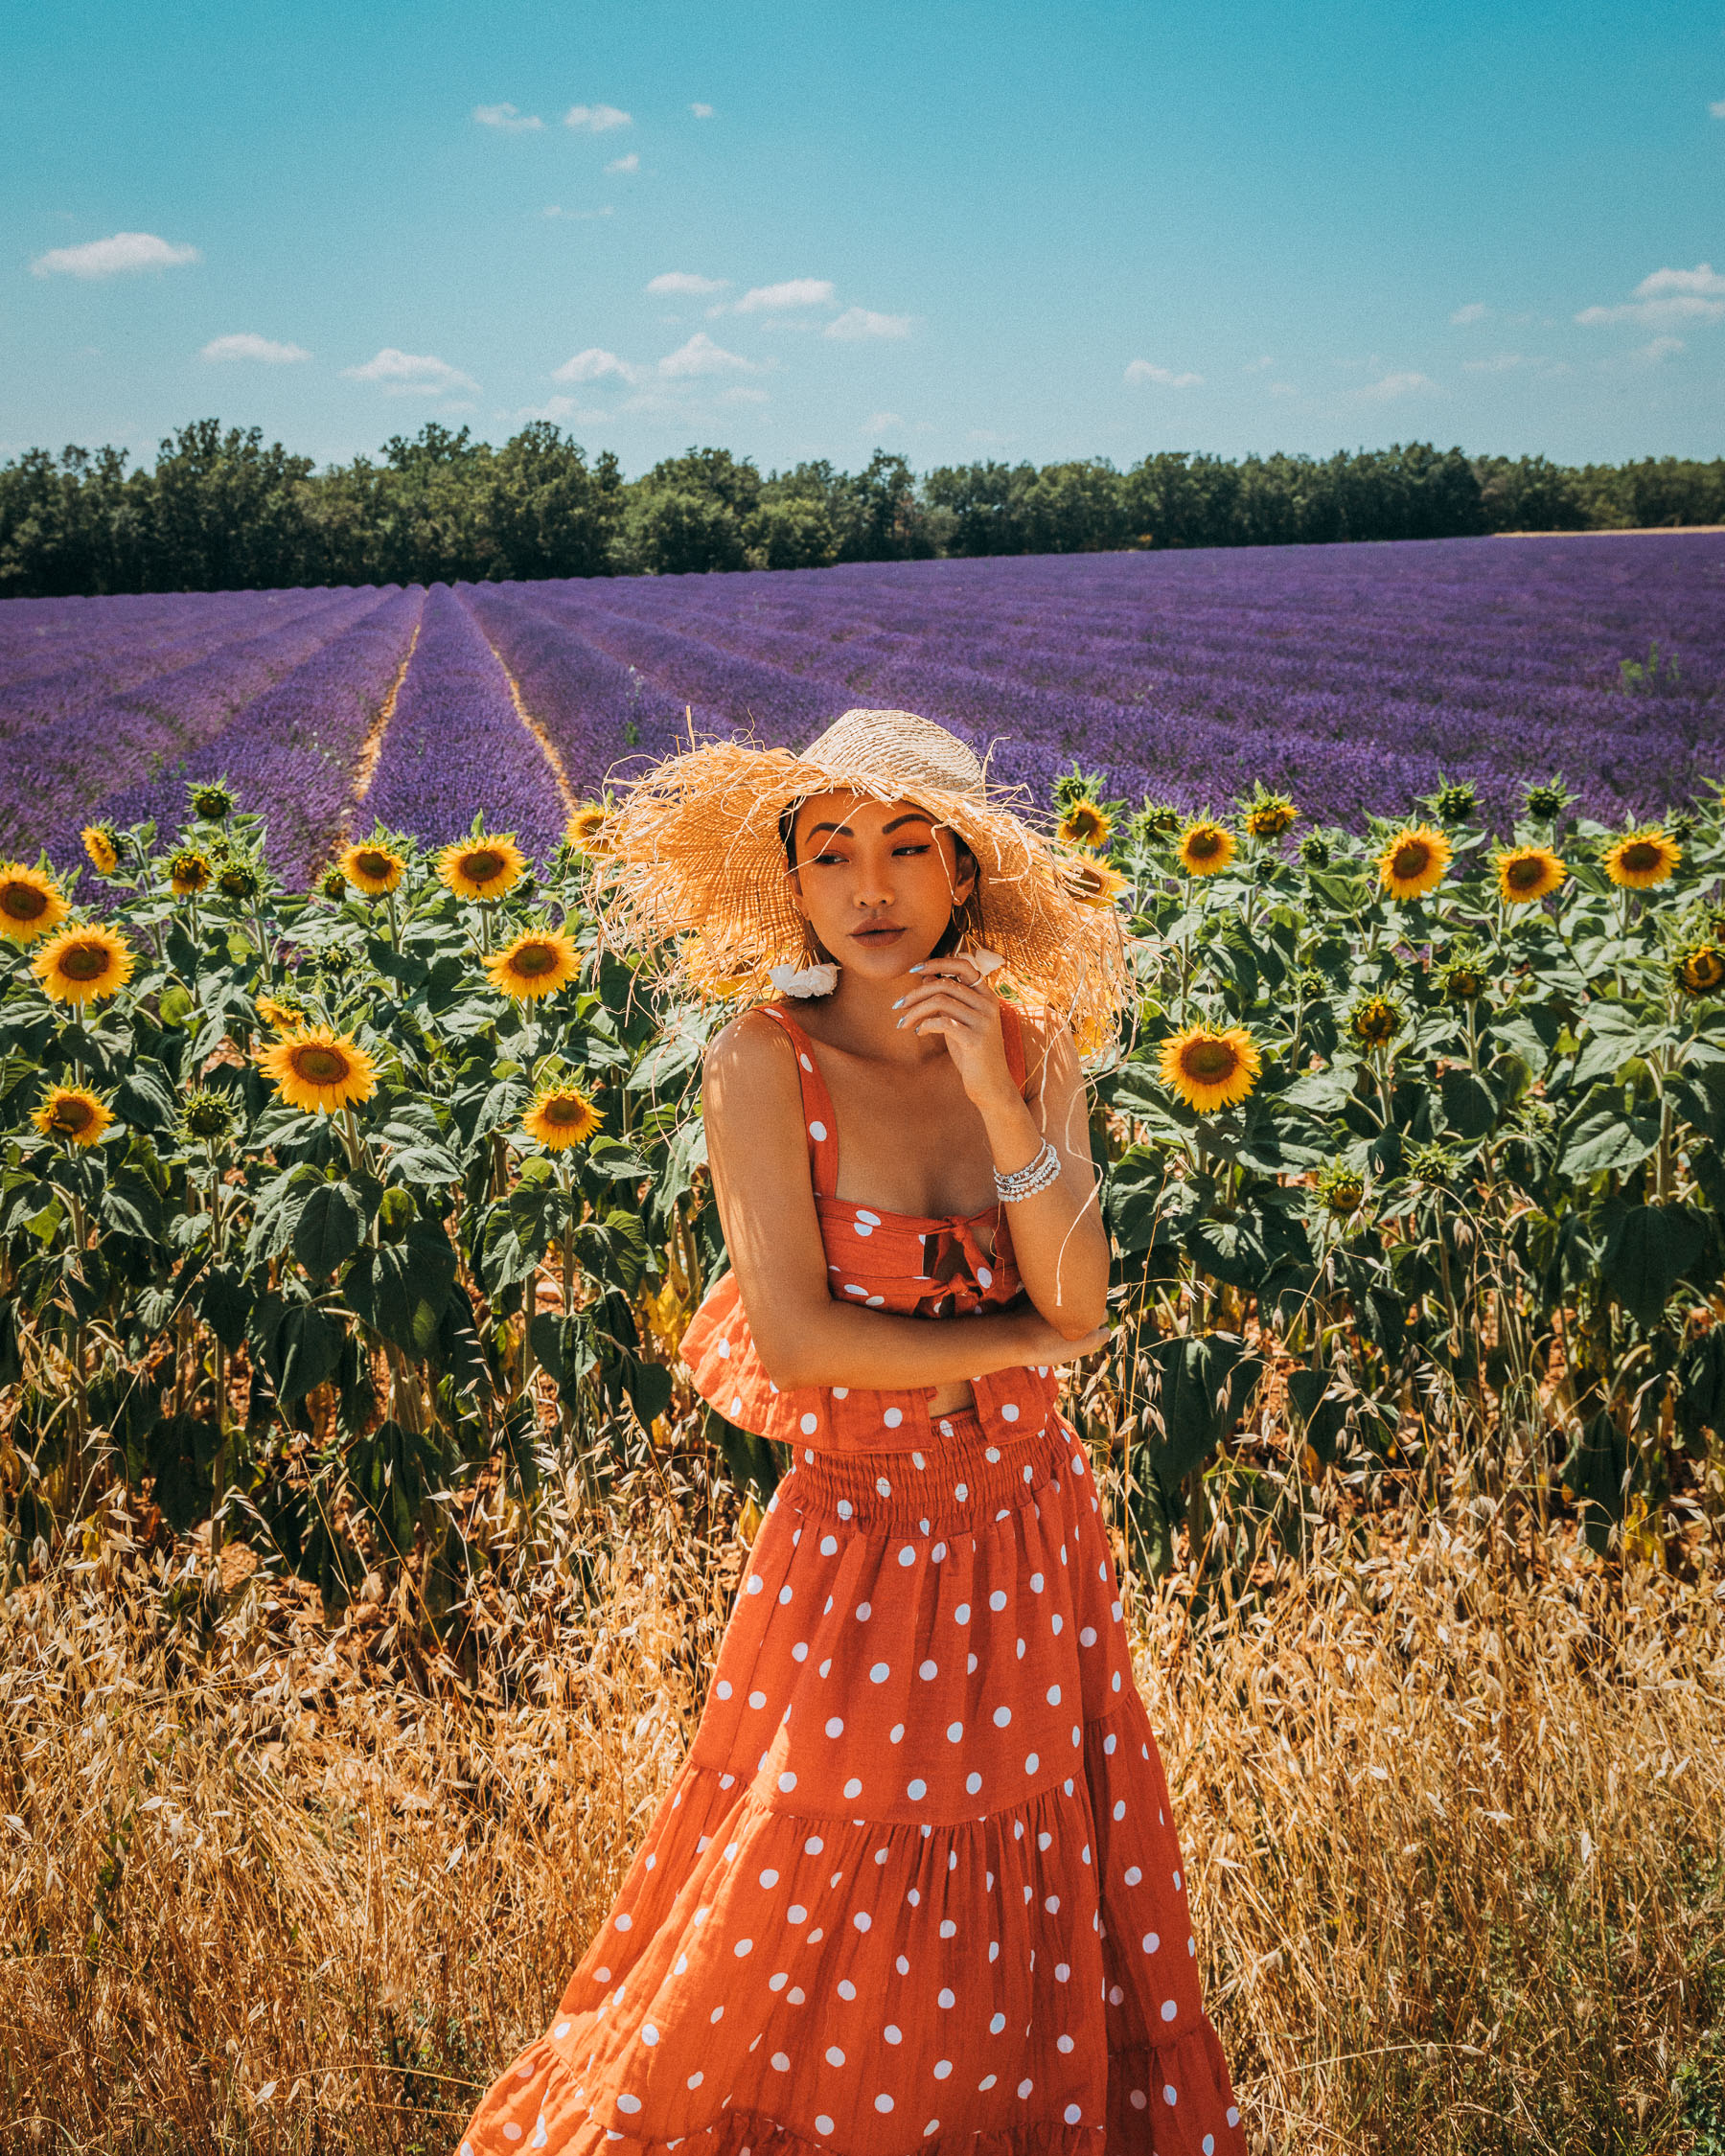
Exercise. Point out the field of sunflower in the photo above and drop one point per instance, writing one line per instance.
(318, 1210)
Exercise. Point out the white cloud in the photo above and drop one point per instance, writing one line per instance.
(700, 356)
(858, 322)
(1283, 389)
(685, 280)
(1660, 348)
(701, 111)
(1474, 311)
(596, 119)
(1667, 295)
(1718, 108)
(775, 299)
(411, 374)
(1500, 363)
(593, 365)
(576, 217)
(507, 117)
(1258, 366)
(247, 346)
(1406, 383)
(1141, 370)
(742, 396)
(880, 423)
(560, 409)
(629, 164)
(110, 257)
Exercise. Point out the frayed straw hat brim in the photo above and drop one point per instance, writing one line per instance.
(692, 862)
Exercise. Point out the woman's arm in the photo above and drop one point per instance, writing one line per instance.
(758, 1155)
(1057, 1235)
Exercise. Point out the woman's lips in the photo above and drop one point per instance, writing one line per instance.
(886, 932)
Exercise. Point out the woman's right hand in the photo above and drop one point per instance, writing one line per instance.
(1045, 1344)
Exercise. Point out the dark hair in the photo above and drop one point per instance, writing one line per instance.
(968, 915)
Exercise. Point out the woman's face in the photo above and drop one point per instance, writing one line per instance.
(878, 881)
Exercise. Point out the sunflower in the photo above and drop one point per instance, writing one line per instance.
(1461, 980)
(1374, 1020)
(212, 801)
(1092, 882)
(538, 963)
(1700, 969)
(375, 870)
(317, 1069)
(207, 1116)
(189, 872)
(1528, 873)
(586, 827)
(1084, 824)
(1340, 1189)
(1205, 847)
(481, 868)
(101, 843)
(1267, 815)
(84, 963)
(1210, 1069)
(240, 881)
(560, 1115)
(30, 902)
(1643, 858)
(69, 1113)
(1414, 861)
(283, 1017)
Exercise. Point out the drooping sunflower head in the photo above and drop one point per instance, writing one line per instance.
(189, 871)
(284, 1018)
(102, 847)
(1414, 860)
(537, 963)
(586, 831)
(1374, 1020)
(1311, 985)
(211, 801)
(72, 1115)
(1434, 1165)
(1156, 820)
(1211, 1067)
(207, 1116)
(1643, 858)
(1340, 1189)
(319, 1070)
(1267, 815)
(560, 1115)
(373, 869)
(31, 904)
(1315, 850)
(1205, 847)
(1526, 873)
(1461, 979)
(1547, 800)
(238, 880)
(1457, 801)
(481, 868)
(1682, 828)
(1084, 824)
(84, 963)
(1699, 969)
(334, 885)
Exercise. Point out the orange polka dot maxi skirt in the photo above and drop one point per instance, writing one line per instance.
(916, 1886)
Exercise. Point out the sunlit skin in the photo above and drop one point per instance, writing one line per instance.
(925, 1109)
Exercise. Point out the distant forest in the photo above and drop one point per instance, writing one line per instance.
(221, 511)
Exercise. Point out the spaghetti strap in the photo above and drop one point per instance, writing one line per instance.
(818, 1119)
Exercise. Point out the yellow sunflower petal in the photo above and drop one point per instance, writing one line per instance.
(1527, 873)
(319, 1070)
(72, 1115)
(375, 870)
(31, 904)
(1205, 847)
(537, 963)
(1414, 861)
(559, 1116)
(84, 963)
(481, 868)
(1211, 1069)
(1643, 858)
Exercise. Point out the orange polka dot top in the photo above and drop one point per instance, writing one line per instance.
(911, 1264)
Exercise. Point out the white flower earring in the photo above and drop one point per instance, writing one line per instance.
(984, 961)
(804, 981)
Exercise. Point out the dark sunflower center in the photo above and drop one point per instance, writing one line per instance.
(1706, 967)
(1640, 855)
(1202, 844)
(23, 901)
(69, 1116)
(1210, 1062)
(372, 864)
(481, 867)
(535, 959)
(1413, 858)
(86, 961)
(564, 1109)
(1523, 875)
(319, 1065)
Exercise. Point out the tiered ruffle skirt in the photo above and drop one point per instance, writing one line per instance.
(916, 1886)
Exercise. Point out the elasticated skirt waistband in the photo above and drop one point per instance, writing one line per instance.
(955, 1481)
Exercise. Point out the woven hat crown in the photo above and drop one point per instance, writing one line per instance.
(898, 751)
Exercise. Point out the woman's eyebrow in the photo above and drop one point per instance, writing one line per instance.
(843, 829)
(912, 815)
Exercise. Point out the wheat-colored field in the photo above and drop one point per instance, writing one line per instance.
(1454, 1812)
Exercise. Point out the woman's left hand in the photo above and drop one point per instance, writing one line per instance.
(952, 998)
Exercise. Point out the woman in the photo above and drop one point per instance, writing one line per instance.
(917, 1885)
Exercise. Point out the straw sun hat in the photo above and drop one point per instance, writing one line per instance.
(693, 859)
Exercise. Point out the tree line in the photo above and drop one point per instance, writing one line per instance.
(221, 511)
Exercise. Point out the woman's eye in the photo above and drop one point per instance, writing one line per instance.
(921, 849)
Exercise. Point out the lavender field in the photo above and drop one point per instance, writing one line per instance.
(1349, 676)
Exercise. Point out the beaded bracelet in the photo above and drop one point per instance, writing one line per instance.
(1027, 1181)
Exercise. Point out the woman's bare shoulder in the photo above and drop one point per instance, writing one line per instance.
(750, 1055)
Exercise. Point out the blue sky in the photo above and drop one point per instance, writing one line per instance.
(951, 229)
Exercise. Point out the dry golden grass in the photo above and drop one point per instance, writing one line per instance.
(1454, 1817)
